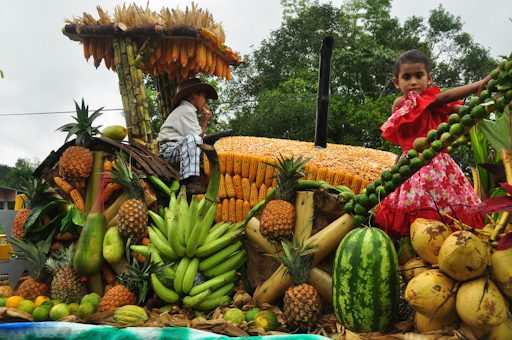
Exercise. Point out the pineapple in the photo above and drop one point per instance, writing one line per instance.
(66, 285)
(132, 217)
(37, 195)
(278, 215)
(76, 161)
(132, 289)
(302, 304)
(36, 255)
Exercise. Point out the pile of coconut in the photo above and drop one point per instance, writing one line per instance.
(458, 280)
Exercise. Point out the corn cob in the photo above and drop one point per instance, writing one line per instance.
(232, 210)
(222, 188)
(253, 169)
(247, 208)
(175, 50)
(222, 162)
(218, 215)
(110, 188)
(77, 199)
(201, 54)
(253, 199)
(107, 165)
(229, 163)
(262, 192)
(237, 183)
(184, 54)
(239, 210)
(225, 210)
(206, 166)
(237, 164)
(246, 189)
(230, 188)
(246, 166)
(269, 174)
(63, 184)
(191, 48)
(260, 174)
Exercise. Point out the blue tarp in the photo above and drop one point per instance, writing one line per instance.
(77, 331)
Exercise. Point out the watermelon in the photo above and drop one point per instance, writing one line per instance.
(366, 286)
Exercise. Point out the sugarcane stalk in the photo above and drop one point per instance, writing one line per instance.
(506, 157)
(213, 184)
(305, 210)
(94, 182)
(145, 52)
(111, 211)
(477, 183)
(95, 284)
(123, 88)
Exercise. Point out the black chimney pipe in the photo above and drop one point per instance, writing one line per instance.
(322, 104)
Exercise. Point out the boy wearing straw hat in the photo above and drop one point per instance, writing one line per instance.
(181, 133)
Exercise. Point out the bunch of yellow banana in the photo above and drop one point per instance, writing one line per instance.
(197, 251)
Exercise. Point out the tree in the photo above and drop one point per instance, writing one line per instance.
(19, 176)
(273, 93)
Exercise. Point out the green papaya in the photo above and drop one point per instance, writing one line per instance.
(116, 132)
(113, 245)
(88, 258)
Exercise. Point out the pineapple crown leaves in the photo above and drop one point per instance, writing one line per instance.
(297, 259)
(38, 192)
(289, 171)
(83, 128)
(137, 277)
(60, 259)
(123, 174)
(35, 253)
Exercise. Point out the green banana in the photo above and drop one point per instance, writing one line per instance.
(139, 249)
(213, 303)
(214, 259)
(174, 239)
(214, 283)
(206, 224)
(160, 184)
(159, 221)
(215, 233)
(167, 273)
(191, 301)
(170, 214)
(183, 221)
(180, 273)
(234, 262)
(190, 275)
(200, 231)
(161, 245)
(224, 290)
(216, 245)
(192, 217)
(164, 293)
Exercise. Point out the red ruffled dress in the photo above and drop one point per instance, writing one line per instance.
(440, 183)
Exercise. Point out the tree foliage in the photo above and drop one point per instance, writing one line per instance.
(19, 176)
(274, 92)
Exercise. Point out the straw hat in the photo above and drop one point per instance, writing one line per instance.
(190, 86)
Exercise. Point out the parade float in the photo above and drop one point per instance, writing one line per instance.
(280, 243)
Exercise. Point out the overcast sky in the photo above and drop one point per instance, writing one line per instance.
(45, 71)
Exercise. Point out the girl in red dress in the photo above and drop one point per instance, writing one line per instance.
(440, 185)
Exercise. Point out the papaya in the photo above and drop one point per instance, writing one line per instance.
(88, 258)
(116, 132)
(113, 246)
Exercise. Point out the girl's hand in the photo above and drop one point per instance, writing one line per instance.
(483, 83)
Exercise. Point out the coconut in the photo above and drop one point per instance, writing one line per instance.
(425, 323)
(463, 256)
(479, 332)
(501, 270)
(427, 236)
(431, 293)
(502, 332)
(480, 303)
(414, 267)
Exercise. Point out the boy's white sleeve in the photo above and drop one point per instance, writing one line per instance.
(185, 123)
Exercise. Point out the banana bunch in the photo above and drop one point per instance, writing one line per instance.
(203, 258)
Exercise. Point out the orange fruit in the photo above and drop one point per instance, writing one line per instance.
(14, 301)
(40, 299)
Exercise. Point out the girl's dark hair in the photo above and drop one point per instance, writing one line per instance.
(411, 56)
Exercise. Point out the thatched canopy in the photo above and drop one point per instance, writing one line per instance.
(176, 42)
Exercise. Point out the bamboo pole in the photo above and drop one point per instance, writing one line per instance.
(322, 282)
(506, 157)
(305, 213)
(326, 241)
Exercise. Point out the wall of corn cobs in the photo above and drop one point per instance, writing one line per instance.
(246, 178)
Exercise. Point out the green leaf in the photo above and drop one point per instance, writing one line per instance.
(479, 145)
(37, 213)
(497, 132)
